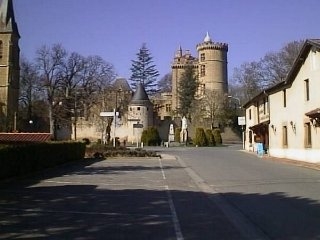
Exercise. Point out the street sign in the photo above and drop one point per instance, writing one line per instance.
(241, 121)
(108, 114)
(137, 125)
(133, 119)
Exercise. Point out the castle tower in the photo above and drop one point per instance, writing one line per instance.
(9, 66)
(140, 113)
(180, 62)
(213, 73)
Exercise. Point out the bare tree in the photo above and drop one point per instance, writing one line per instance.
(96, 77)
(31, 109)
(249, 76)
(50, 61)
(273, 68)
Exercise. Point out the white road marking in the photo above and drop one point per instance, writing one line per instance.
(175, 219)
(162, 171)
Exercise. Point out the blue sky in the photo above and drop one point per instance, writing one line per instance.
(116, 29)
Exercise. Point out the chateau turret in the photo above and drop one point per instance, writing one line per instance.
(213, 73)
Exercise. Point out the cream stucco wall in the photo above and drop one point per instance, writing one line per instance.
(293, 115)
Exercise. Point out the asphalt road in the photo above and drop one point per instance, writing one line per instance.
(202, 193)
(279, 199)
(120, 198)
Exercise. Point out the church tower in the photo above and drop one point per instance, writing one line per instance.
(213, 73)
(9, 67)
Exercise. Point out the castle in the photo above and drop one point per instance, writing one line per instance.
(140, 112)
(211, 66)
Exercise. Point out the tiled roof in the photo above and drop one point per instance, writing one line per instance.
(24, 137)
(121, 83)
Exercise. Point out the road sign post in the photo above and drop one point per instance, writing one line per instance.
(242, 123)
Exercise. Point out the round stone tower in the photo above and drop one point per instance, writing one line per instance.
(213, 72)
(140, 114)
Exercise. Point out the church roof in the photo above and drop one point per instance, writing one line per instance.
(121, 83)
(7, 19)
(140, 96)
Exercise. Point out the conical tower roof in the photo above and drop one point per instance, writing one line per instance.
(140, 97)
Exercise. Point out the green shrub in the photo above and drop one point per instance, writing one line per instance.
(150, 137)
(200, 138)
(217, 136)
(177, 134)
(210, 138)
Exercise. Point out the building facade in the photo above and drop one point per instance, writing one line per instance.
(291, 127)
(9, 67)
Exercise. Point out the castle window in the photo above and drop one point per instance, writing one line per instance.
(202, 70)
(168, 107)
(138, 108)
(202, 57)
(1, 49)
(284, 98)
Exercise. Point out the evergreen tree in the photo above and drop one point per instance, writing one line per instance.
(144, 71)
(188, 85)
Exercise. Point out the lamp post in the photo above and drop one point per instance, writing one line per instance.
(115, 115)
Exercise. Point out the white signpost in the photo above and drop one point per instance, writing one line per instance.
(108, 114)
(242, 122)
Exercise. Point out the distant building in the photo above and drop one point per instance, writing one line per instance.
(9, 67)
(286, 118)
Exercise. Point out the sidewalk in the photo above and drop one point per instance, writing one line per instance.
(315, 166)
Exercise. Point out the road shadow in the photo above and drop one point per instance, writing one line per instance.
(89, 212)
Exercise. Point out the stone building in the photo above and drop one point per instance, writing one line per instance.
(9, 67)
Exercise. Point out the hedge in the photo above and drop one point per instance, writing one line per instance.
(200, 139)
(19, 160)
(150, 137)
(210, 138)
(217, 136)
